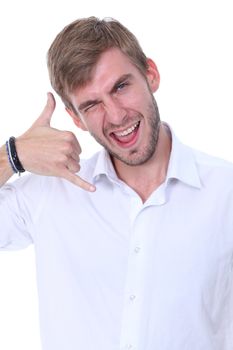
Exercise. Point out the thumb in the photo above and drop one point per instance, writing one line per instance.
(46, 115)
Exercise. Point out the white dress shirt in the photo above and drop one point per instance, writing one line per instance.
(116, 274)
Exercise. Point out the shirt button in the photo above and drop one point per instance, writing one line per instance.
(129, 346)
(132, 297)
(137, 249)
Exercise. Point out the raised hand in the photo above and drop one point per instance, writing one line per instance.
(44, 150)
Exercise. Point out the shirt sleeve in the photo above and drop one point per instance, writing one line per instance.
(14, 232)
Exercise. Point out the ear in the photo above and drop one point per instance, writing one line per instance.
(153, 76)
(76, 119)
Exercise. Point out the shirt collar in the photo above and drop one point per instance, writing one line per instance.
(182, 165)
(105, 167)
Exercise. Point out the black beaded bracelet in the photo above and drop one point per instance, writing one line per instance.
(9, 158)
(13, 156)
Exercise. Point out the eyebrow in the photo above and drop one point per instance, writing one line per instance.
(120, 80)
(87, 103)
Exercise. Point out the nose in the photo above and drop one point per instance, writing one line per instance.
(115, 112)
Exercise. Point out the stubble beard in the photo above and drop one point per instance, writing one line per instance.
(139, 156)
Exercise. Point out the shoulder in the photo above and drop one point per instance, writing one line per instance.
(211, 162)
(213, 169)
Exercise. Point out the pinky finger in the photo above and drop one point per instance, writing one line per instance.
(78, 181)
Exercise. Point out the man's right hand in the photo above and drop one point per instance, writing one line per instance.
(44, 150)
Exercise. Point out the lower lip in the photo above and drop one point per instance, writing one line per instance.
(133, 137)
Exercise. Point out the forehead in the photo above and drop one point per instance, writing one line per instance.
(111, 61)
(111, 65)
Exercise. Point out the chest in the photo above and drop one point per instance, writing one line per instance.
(99, 232)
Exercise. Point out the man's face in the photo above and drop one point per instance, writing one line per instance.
(118, 109)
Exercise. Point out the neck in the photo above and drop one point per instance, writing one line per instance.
(145, 178)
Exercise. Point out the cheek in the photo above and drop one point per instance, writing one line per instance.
(95, 126)
(138, 100)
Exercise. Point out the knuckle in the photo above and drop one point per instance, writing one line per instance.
(68, 136)
(77, 168)
(61, 159)
(67, 147)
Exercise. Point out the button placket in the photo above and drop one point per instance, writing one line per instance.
(129, 346)
(137, 249)
(133, 289)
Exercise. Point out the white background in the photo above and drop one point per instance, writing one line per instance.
(191, 42)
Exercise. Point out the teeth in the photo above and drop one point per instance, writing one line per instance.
(127, 131)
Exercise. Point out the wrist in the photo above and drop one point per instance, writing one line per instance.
(6, 171)
(13, 158)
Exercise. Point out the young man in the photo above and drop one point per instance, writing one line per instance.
(139, 254)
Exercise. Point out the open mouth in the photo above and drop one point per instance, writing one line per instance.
(128, 136)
